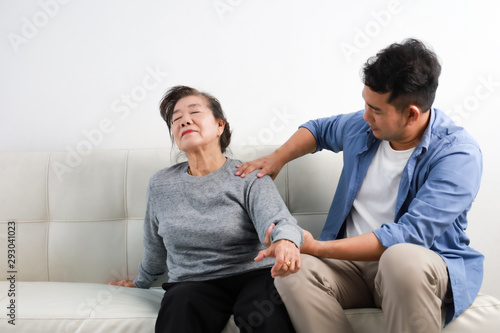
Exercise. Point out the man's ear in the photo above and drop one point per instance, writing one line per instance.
(414, 114)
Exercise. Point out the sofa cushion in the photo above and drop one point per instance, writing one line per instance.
(80, 307)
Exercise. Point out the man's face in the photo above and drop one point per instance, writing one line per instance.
(385, 122)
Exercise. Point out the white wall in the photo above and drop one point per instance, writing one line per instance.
(86, 75)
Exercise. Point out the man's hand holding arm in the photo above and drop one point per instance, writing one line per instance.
(364, 247)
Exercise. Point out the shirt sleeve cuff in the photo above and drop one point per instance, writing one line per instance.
(387, 237)
(309, 126)
(289, 232)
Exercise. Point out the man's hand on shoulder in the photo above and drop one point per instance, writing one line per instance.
(268, 165)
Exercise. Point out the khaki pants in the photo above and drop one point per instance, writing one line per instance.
(409, 284)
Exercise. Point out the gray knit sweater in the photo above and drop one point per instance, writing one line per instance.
(203, 228)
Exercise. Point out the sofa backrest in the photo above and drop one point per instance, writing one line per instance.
(79, 215)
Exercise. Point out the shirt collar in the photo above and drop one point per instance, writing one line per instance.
(423, 145)
(370, 139)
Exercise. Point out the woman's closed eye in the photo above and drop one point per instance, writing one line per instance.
(179, 117)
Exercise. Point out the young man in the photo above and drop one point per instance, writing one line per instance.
(395, 234)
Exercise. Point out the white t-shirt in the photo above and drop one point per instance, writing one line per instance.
(375, 203)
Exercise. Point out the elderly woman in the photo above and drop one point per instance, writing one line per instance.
(208, 228)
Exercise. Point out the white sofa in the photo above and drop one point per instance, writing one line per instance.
(78, 224)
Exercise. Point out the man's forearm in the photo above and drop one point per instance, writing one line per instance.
(364, 247)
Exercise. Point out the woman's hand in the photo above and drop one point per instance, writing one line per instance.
(269, 165)
(123, 283)
(287, 257)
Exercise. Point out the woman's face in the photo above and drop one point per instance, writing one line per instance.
(194, 126)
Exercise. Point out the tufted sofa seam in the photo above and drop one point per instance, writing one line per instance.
(49, 217)
(125, 205)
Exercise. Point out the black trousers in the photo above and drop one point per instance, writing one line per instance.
(205, 306)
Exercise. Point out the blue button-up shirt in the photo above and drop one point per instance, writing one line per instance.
(437, 187)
